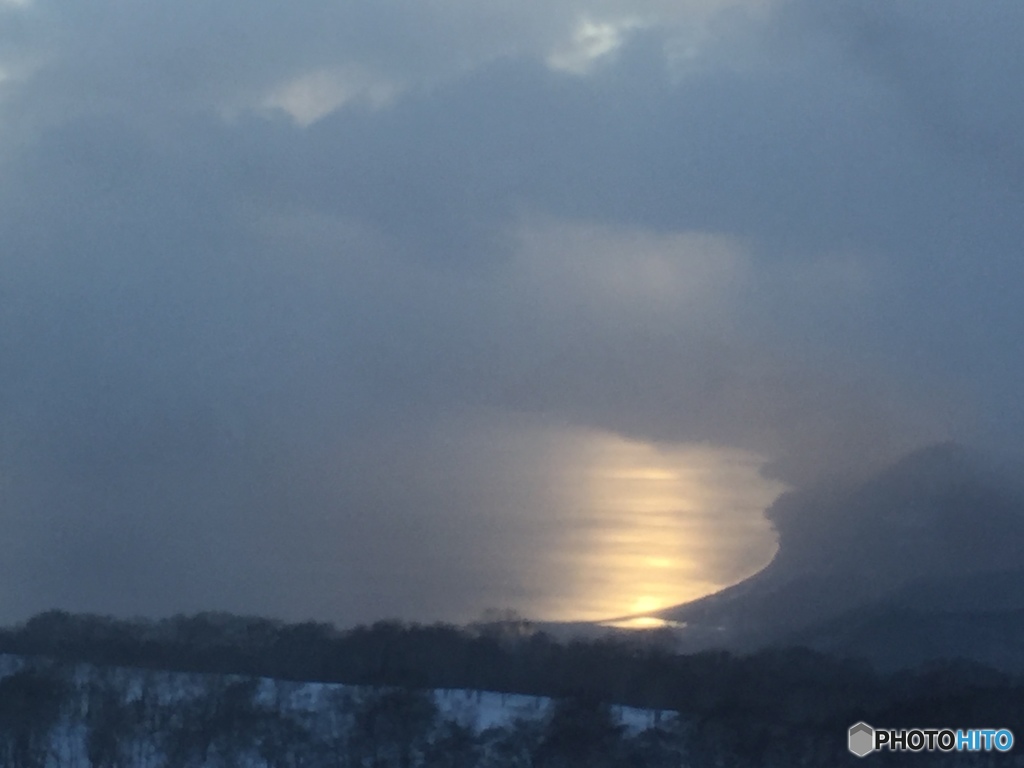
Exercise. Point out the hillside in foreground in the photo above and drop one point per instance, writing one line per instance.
(218, 690)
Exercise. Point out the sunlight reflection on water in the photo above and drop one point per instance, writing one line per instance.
(649, 526)
(554, 522)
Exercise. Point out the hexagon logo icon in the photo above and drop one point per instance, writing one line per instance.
(861, 739)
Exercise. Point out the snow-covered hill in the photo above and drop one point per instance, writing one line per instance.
(82, 716)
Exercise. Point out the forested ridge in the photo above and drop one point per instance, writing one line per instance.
(777, 707)
(635, 669)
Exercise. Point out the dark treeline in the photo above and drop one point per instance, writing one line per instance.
(636, 669)
(769, 687)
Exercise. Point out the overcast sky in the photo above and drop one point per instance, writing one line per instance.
(305, 306)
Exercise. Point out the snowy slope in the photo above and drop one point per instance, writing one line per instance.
(325, 709)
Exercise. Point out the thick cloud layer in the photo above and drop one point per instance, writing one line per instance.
(261, 260)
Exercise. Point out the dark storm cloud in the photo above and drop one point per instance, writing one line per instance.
(229, 337)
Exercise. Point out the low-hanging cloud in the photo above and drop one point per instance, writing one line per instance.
(254, 255)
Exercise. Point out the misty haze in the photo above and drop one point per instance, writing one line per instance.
(535, 319)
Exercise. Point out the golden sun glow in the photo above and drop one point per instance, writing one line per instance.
(653, 526)
(641, 622)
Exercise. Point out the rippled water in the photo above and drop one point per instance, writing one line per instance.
(554, 522)
(569, 524)
(648, 526)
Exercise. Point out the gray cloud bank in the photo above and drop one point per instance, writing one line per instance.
(258, 259)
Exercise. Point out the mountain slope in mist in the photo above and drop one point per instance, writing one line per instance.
(925, 556)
